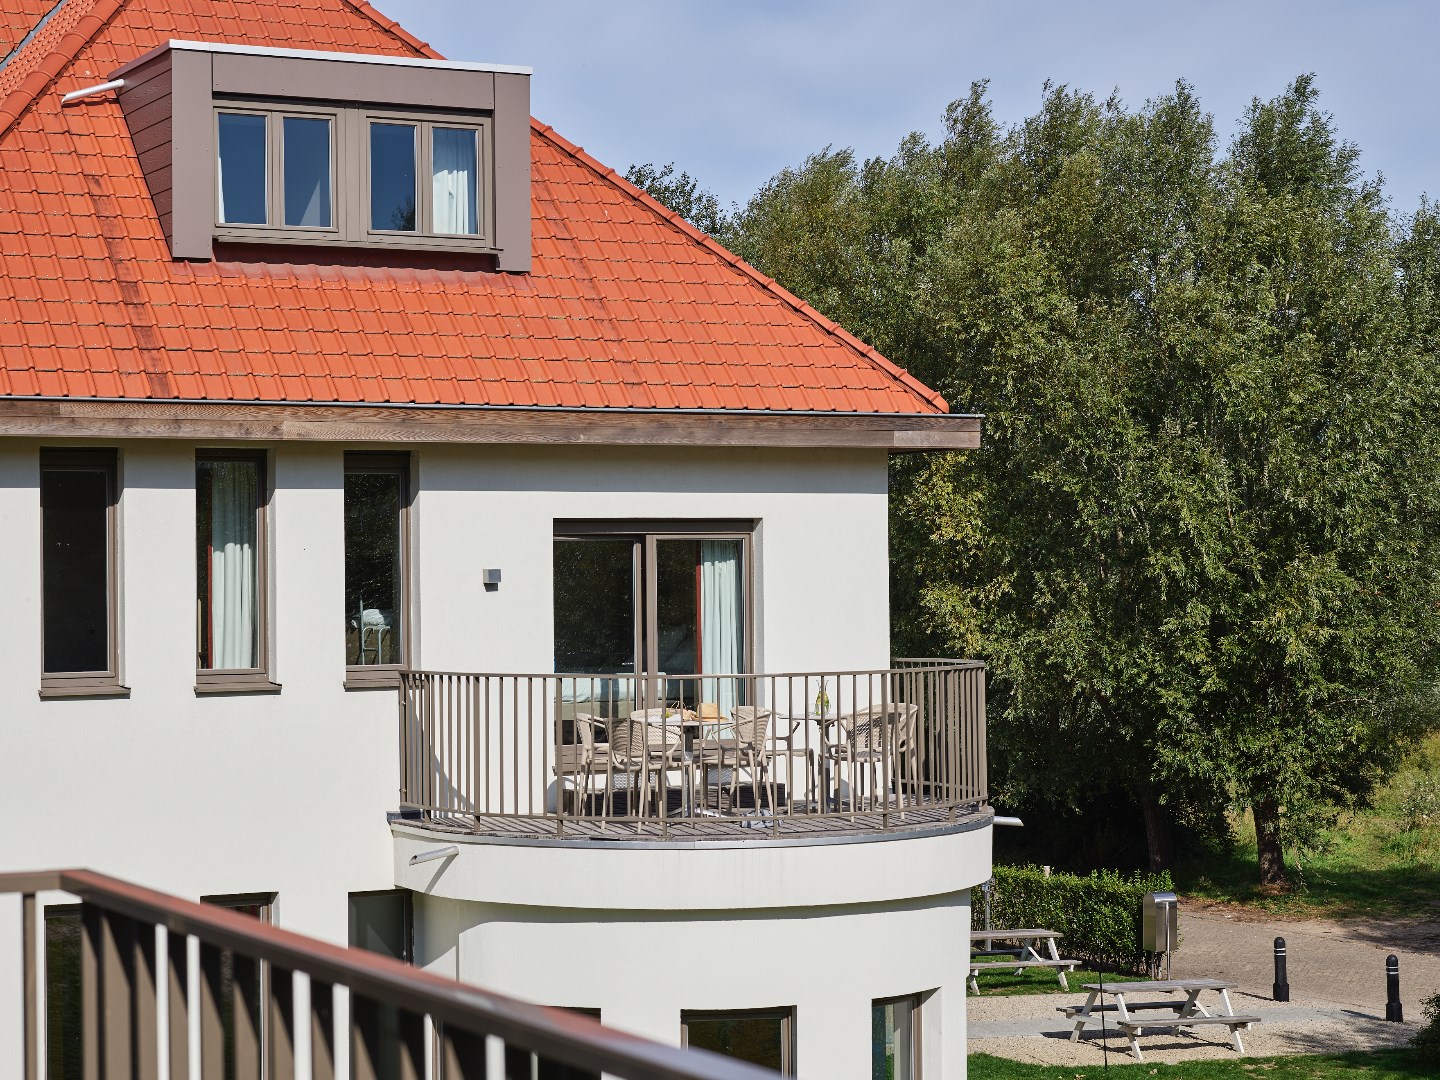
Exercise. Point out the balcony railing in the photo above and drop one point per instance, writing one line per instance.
(258, 987)
(694, 756)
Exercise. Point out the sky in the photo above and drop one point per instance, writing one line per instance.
(732, 91)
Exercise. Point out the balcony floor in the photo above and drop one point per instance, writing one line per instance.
(753, 828)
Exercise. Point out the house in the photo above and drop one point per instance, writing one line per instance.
(325, 370)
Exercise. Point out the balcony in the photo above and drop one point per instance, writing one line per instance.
(658, 758)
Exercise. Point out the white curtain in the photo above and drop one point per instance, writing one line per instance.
(721, 619)
(454, 202)
(234, 493)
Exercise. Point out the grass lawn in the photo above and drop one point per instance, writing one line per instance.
(1002, 983)
(1383, 860)
(1377, 1065)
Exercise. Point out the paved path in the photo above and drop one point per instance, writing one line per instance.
(1328, 961)
(1337, 993)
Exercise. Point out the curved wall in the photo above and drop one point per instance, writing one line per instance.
(643, 932)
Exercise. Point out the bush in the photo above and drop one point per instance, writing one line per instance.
(1427, 1039)
(1098, 913)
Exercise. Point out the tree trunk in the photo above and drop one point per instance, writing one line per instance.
(1157, 832)
(1267, 841)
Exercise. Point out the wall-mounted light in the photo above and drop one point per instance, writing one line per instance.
(491, 579)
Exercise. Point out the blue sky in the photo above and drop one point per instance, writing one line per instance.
(734, 91)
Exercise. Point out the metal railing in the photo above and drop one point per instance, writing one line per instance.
(137, 1003)
(747, 755)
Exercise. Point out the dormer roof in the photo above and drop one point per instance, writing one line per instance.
(625, 307)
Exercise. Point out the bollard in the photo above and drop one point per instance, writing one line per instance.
(1393, 1011)
(1281, 989)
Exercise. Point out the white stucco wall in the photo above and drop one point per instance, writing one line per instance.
(287, 792)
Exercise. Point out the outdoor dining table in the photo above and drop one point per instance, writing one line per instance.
(1188, 1011)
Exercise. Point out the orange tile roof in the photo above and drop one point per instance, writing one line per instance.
(627, 306)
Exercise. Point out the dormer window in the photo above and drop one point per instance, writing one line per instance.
(278, 147)
(274, 169)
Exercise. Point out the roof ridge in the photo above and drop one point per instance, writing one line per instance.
(67, 49)
(889, 367)
(53, 63)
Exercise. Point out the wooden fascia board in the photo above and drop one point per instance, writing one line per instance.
(71, 419)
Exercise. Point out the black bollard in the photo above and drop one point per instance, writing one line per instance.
(1281, 990)
(1393, 1010)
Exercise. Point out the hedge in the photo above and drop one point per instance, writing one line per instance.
(1099, 914)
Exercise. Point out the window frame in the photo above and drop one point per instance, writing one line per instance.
(425, 122)
(784, 1013)
(274, 227)
(647, 533)
(407, 899)
(916, 1003)
(385, 676)
(350, 176)
(104, 683)
(242, 680)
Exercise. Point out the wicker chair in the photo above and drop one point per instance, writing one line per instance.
(749, 748)
(643, 748)
(878, 739)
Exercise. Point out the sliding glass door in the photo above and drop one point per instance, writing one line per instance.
(662, 600)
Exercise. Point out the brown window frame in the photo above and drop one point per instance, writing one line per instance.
(106, 683)
(243, 680)
(425, 123)
(386, 676)
(274, 229)
(350, 177)
(917, 1004)
(784, 1013)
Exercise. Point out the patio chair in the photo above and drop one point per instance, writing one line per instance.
(643, 748)
(876, 740)
(576, 762)
(748, 748)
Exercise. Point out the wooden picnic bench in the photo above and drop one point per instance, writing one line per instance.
(1189, 1011)
(1025, 953)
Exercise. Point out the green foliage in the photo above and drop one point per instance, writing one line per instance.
(1200, 547)
(682, 193)
(1427, 1039)
(1099, 913)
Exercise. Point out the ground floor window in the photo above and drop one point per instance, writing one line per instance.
(63, 1047)
(381, 922)
(241, 986)
(895, 1038)
(521, 1064)
(763, 1037)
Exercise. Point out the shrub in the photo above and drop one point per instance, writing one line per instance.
(1427, 1039)
(1419, 799)
(1098, 913)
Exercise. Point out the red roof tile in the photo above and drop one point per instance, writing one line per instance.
(626, 306)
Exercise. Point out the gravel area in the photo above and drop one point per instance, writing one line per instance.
(1337, 996)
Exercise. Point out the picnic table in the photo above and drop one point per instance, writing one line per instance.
(1188, 1011)
(1025, 953)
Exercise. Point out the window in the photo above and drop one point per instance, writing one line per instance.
(275, 169)
(522, 1064)
(64, 1048)
(653, 598)
(77, 509)
(242, 987)
(448, 202)
(895, 1039)
(763, 1037)
(315, 173)
(376, 566)
(230, 571)
(381, 922)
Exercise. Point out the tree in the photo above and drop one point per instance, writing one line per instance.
(1200, 547)
(682, 193)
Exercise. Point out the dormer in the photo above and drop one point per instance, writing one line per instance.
(264, 146)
